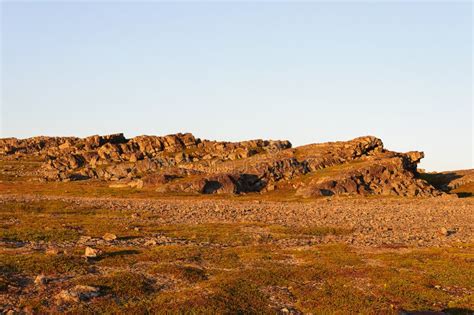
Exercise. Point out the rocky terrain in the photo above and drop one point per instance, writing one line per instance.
(182, 163)
(398, 222)
(85, 255)
(176, 224)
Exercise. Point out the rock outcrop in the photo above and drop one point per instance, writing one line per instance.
(184, 163)
(459, 182)
(379, 177)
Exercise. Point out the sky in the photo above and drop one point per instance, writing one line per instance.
(307, 72)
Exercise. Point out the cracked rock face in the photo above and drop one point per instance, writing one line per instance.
(385, 177)
(184, 163)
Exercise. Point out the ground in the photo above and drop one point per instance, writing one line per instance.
(228, 254)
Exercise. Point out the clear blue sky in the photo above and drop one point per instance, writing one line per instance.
(306, 72)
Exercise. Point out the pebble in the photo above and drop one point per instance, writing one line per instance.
(91, 252)
(109, 237)
(40, 280)
(53, 251)
(150, 243)
(447, 231)
(84, 239)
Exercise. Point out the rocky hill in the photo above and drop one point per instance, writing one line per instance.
(183, 163)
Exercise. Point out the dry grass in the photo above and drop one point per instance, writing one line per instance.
(466, 190)
(219, 268)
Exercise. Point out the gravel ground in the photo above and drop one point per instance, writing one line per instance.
(386, 222)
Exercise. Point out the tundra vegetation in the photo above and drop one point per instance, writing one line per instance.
(176, 224)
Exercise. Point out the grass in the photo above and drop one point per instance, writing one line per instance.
(309, 231)
(186, 273)
(95, 188)
(240, 296)
(432, 264)
(124, 285)
(222, 268)
(39, 263)
(23, 222)
(57, 221)
(47, 235)
(466, 190)
(11, 168)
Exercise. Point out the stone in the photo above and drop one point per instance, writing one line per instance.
(40, 280)
(84, 239)
(77, 294)
(65, 145)
(119, 185)
(150, 243)
(133, 158)
(91, 252)
(447, 231)
(53, 251)
(119, 170)
(138, 184)
(109, 237)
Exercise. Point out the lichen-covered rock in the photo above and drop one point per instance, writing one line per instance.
(77, 294)
(389, 176)
(183, 163)
(90, 252)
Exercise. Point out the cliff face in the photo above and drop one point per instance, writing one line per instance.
(183, 163)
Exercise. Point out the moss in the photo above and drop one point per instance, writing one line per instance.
(224, 268)
(338, 294)
(25, 235)
(240, 296)
(38, 263)
(187, 273)
(123, 285)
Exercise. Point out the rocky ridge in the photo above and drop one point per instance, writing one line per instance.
(184, 163)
